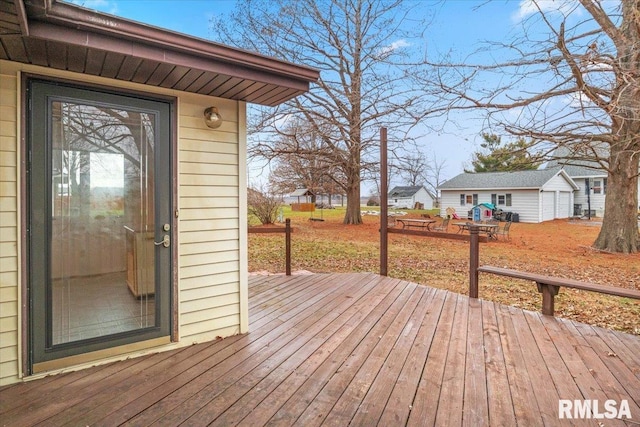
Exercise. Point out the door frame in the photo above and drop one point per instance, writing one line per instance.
(24, 267)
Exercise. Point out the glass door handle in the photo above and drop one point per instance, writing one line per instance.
(166, 241)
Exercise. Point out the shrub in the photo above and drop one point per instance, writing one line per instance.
(263, 206)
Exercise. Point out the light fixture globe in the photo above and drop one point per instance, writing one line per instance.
(212, 118)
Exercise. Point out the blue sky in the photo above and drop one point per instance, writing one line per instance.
(459, 26)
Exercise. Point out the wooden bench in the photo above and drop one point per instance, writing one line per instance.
(549, 286)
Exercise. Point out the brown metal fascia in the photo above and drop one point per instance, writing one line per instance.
(22, 17)
(111, 43)
(76, 17)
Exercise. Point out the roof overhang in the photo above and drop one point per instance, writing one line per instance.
(68, 37)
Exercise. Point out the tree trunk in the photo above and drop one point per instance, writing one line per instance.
(353, 215)
(619, 232)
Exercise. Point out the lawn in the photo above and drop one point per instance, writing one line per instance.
(559, 248)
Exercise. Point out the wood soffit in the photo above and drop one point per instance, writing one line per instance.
(68, 37)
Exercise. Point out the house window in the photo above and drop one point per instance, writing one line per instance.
(604, 186)
(501, 199)
(598, 187)
(468, 199)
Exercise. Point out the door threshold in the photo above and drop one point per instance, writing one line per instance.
(100, 355)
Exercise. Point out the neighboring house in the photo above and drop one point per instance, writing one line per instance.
(592, 184)
(122, 186)
(406, 197)
(536, 196)
(591, 179)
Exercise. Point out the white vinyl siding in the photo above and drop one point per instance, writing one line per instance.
(556, 199)
(581, 198)
(212, 223)
(523, 202)
(421, 196)
(9, 277)
(209, 207)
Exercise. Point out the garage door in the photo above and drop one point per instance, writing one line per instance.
(548, 206)
(564, 202)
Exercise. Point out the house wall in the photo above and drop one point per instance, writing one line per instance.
(9, 241)
(581, 198)
(556, 199)
(423, 197)
(212, 295)
(524, 202)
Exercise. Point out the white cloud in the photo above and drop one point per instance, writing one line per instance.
(387, 50)
(527, 8)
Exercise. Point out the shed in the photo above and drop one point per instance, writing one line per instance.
(407, 197)
(304, 192)
(134, 192)
(536, 196)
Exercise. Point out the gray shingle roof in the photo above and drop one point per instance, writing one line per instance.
(301, 192)
(501, 180)
(406, 191)
(577, 167)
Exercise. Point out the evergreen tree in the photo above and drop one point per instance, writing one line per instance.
(499, 157)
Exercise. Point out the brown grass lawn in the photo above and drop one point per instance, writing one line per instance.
(559, 248)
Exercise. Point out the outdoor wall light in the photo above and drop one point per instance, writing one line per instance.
(212, 118)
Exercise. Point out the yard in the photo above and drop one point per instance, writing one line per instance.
(558, 248)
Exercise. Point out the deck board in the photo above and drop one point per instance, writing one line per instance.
(352, 349)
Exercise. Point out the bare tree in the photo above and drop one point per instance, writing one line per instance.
(413, 168)
(435, 176)
(577, 87)
(300, 159)
(364, 49)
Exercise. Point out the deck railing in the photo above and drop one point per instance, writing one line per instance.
(548, 286)
(287, 230)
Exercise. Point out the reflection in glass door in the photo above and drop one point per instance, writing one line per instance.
(102, 252)
(101, 281)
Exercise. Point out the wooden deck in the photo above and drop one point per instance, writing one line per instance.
(353, 349)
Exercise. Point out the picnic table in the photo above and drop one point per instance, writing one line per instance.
(488, 229)
(419, 223)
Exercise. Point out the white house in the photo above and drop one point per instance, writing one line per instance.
(122, 186)
(406, 197)
(536, 196)
(592, 190)
(591, 180)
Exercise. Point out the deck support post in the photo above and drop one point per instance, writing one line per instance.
(384, 242)
(287, 245)
(548, 293)
(474, 261)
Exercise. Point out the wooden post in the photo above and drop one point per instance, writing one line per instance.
(474, 260)
(548, 297)
(383, 203)
(287, 244)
